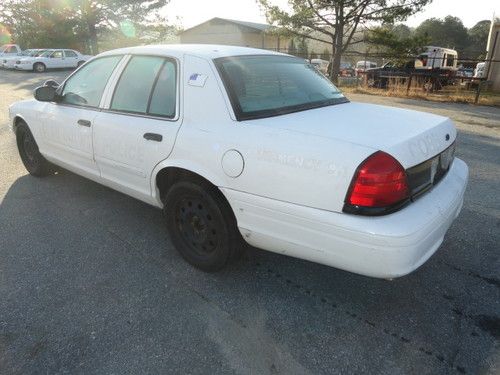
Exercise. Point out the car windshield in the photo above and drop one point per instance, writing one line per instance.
(46, 53)
(264, 86)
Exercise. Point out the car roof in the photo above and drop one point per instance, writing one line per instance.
(211, 51)
(436, 48)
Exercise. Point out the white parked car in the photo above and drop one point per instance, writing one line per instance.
(362, 66)
(480, 70)
(52, 59)
(321, 65)
(8, 62)
(10, 50)
(241, 144)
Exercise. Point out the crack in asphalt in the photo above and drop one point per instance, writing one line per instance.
(328, 302)
(489, 280)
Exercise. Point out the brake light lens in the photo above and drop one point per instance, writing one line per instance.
(379, 182)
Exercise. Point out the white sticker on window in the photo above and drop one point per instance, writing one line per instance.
(197, 79)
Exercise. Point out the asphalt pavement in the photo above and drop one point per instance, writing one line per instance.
(91, 284)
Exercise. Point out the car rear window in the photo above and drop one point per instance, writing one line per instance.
(268, 85)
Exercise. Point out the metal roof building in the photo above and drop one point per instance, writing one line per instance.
(235, 33)
(493, 53)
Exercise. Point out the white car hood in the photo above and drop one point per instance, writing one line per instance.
(410, 136)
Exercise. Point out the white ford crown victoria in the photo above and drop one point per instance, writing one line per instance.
(8, 62)
(244, 144)
(51, 59)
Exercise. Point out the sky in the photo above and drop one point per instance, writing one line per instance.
(193, 12)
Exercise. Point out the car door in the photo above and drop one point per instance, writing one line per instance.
(67, 126)
(138, 126)
(55, 59)
(70, 59)
(12, 51)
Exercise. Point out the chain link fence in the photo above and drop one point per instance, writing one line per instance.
(455, 79)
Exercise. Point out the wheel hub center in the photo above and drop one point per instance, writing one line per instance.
(198, 226)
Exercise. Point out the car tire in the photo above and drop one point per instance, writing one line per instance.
(39, 67)
(80, 63)
(202, 225)
(33, 161)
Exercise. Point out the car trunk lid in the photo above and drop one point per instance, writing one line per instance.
(412, 137)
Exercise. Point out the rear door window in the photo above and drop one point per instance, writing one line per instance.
(57, 54)
(147, 86)
(163, 98)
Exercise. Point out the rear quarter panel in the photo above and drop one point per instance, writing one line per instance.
(281, 164)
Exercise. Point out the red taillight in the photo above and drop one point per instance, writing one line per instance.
(380, 181)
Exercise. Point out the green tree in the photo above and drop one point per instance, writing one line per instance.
(326, 55)
(337, 21)
(478, 38)
(397, 41)
(292, 50)
(302, 48)
(449, 32)
(96, 16)
(401, 30)
(80, 21)
(37, 23)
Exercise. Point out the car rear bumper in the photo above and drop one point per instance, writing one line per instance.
(386, 246)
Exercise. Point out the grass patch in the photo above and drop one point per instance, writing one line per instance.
(450, 94)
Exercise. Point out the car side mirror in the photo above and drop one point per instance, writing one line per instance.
(51, 83)
(46, 94)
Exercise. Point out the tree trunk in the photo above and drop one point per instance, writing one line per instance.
(90, 19)
(94, 47)
(337, 53)
(339, 41)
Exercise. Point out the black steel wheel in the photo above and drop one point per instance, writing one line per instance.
(201, 225)
(33, 161)
(39, 67)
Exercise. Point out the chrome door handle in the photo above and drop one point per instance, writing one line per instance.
(86, 123)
